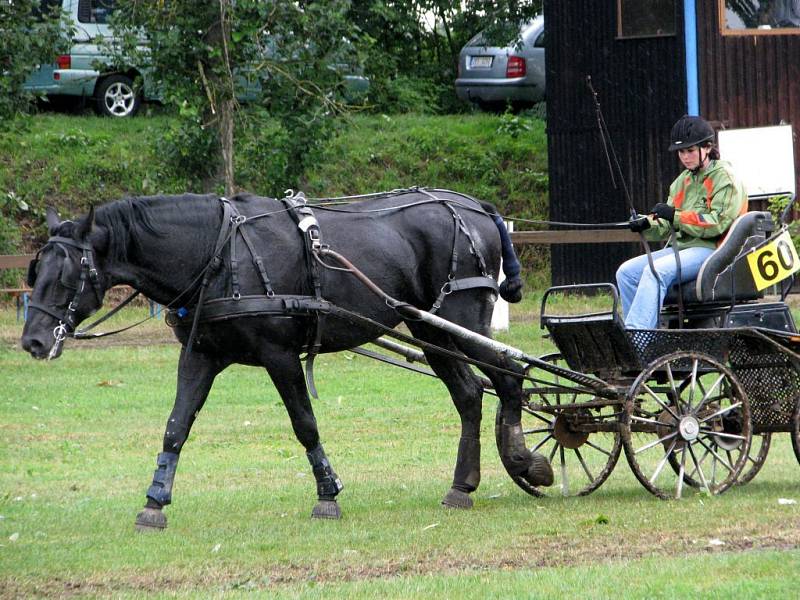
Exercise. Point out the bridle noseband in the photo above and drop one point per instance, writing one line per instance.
(88, 273)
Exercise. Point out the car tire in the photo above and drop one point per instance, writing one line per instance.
(116, 96)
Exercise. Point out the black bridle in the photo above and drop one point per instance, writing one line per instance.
(88, 276)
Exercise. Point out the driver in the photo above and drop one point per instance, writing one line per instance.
(703, 202)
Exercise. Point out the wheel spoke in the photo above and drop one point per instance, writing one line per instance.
(657, 442)
(583, 464)
(658, 400)
(598, 448)
(643, 420)
(710, 391)
(721, 411)
(564, 479)
(717, 456)
(540, 430)
(681, 473)
(692, 386)
(662, 462)
(730, 436)
(542, 443)
(553, 451)
(699, 470)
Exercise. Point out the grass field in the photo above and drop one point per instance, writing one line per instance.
(79, 437)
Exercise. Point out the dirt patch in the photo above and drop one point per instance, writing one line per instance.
(541, 553)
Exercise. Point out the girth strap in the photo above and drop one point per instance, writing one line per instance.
(312, 241)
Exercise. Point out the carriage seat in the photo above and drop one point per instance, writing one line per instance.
(721, 274)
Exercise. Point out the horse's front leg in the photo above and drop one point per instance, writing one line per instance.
(287, 375)
(196, 373)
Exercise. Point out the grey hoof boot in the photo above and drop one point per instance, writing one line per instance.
(539, 473)
(457, 499)
(151, 519)
(326, 509)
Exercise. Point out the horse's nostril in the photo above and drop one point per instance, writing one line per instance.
(32, 345)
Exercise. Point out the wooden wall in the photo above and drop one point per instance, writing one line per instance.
(642, 90)
(748, 80)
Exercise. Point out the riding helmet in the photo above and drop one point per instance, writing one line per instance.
(690, 131)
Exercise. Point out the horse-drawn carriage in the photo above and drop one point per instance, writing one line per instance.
(693, 404)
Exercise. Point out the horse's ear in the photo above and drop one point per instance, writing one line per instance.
(84, 226)
(52, 219)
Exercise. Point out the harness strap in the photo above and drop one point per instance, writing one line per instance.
(312, 241)
(262, 271)
(222, 237)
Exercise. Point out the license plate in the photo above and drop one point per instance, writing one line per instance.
(480, 62)
(774, 262)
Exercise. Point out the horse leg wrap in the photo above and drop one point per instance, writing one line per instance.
(511, 287)
(467, 475)
(161, 488)
(515, 455)
(328, 483)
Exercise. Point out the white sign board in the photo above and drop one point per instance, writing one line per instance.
(762, 157)
(500, 316)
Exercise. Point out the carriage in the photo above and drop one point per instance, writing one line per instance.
(694, 403)
(262, 281)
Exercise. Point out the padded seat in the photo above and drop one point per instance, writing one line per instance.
(721, 274)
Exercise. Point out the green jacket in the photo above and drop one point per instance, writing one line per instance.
(706, 204)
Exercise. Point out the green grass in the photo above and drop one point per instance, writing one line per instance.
(79, 436)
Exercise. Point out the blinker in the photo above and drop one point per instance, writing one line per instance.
(30, 278)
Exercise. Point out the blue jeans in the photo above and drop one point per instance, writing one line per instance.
(640, 292)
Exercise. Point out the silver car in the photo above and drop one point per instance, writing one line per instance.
(489, 75)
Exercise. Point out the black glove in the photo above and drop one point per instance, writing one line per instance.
(638, 224)
(664, 211)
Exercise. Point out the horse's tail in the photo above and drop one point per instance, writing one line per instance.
(511, 287)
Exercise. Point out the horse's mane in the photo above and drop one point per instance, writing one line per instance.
(129, 218)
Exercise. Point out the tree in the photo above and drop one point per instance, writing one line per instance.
(32, 32)
(208, 56)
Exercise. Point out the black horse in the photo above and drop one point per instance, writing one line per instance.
(248, 281)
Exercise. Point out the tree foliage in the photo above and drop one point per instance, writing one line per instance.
(32, 32)
(209, 57)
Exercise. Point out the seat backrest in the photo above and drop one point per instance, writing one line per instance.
(721, 275)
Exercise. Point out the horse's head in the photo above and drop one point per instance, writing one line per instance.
(67, 286)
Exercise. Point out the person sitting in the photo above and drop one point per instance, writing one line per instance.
(704, 200)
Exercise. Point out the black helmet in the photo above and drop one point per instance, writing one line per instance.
(690, 131)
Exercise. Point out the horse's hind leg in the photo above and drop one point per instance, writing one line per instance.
(506, 379)
(466, 391)
(287, 375)
(196, 373)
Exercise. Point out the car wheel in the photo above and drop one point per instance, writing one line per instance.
(117, 97)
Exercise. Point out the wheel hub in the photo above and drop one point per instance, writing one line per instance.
(689, 428)
(565, 434)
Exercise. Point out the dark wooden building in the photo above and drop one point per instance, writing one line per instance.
(736, 62)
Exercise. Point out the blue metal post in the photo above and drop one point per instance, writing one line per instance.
(690, 42)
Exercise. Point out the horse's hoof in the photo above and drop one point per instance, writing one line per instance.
(151, 519)
(326, 509)
(457, 499)
(539, 473)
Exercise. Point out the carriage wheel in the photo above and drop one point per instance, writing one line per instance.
(581, 459)
(756, 457)
(796, 431)
(689, 410)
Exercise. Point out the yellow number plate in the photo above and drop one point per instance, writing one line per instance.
(774, 262)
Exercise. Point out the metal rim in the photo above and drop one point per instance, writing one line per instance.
(582, 460)
(119, 99)
(690, 408)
